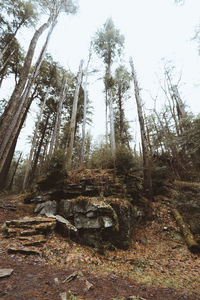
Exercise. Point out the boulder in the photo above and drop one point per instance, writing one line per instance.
(88, 212)
(47, 208)
(125, 214)
(91, 216)
(100, 220)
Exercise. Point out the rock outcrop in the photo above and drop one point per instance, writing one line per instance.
(90, 206)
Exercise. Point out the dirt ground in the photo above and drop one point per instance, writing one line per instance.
(157, 266)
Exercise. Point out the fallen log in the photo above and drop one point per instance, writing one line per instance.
(193, 246)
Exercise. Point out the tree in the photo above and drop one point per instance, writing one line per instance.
(28, 166)
(85, 110)
(12, 62)
(16, 110)
(145, 150)
(56, 132)
(108, 42)
(73, 118)
(120, 94)
(14, 15)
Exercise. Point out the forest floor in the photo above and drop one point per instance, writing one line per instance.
(158, 264)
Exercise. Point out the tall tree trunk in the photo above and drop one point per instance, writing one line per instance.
(56, 132)
(111, 116)
(179, 103)
(145, 150)
(121, 115)
(16, 95)
(13, 175)
(73, 119)
(22, 100)
(84, 111)
(28, 166)
(4, 173)
(37, 153)
(106, 116)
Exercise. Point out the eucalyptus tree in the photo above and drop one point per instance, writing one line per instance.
(16, 110)
(108, 43)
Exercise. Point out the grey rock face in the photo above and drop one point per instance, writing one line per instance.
(88, 213)
(47, 208)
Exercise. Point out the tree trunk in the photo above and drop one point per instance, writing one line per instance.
(56, 132)
(84, 125)
(111, 115)
(4, 173)
(73, 119)
(193, 246)
(23, 101)
(179, 103)
(36, 158)
(13, 175)
(33, 143)
(121, 115)
(84, 112)
(58, 121)
(145, 150)
(16, 95)
(106, 115)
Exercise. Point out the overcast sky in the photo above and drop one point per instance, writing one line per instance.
(155, 31)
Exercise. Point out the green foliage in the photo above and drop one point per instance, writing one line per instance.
(126, 162)
(124, 159)
(108, 42)
(55, 168)
(101, 157)
(54, 7)
(17, 13)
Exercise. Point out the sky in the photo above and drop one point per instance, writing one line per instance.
(156, 32)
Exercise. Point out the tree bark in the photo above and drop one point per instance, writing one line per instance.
(193, 246)
(22, 100)
(84, 111)
(180, 105)
(33, 144)
(73, 119)
(36, 158)
(15, 170)
(145, 150)
(111, 116)
(56, 131)
(106, 116)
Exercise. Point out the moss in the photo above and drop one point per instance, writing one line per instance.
(193, 246)
(187, 185)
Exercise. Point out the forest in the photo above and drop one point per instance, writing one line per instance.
(113, 217)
